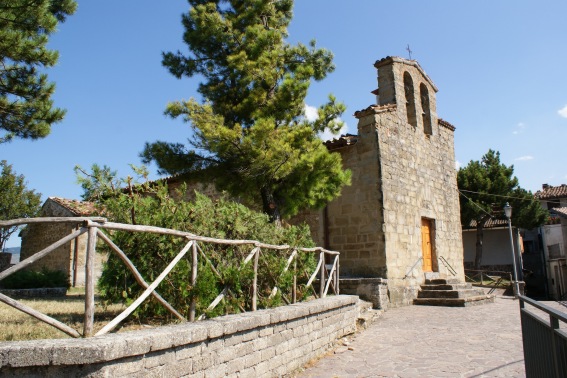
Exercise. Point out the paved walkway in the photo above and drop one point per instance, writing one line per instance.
(427, 341)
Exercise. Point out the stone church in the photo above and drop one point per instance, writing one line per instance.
(399, 221)
(398, 224)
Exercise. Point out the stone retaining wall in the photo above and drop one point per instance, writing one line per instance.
(374, 290)
(264, 343)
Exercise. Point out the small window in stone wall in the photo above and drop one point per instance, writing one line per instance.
(426, 110)
(410, 99)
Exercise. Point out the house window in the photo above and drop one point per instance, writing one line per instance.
(553, 204)
(426, 110)
(410, 99)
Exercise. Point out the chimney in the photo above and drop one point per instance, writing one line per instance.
(545, 186)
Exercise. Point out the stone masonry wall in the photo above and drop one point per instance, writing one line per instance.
(265, 343)
(354, 218)
(39, 236)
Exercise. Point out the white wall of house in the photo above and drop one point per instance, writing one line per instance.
(554, 246)
(496, 246)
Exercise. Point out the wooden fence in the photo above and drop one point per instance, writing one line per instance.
(93, 226)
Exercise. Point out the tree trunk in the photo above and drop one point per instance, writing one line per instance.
(479, 240)
(270, 206)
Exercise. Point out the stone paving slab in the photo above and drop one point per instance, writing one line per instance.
(429, 341)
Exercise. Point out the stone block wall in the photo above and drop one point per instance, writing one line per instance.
(354, 220)
(418, 178)
(266, 343)
(40, 236)
(374, 290)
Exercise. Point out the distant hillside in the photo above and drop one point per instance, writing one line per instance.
(15, 251)
(12, 250)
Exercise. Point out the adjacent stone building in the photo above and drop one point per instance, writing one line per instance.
(399, 220)
(70, 257)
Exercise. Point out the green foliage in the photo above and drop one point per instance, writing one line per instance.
(28, 279)
(16, 201)
(26, 108)
(250, 136)
(152, 204)
(489, 184)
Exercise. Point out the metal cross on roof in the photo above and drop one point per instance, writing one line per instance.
(409, 51)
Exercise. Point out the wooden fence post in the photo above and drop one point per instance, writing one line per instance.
(255, 282)
(294, 289)
(337, 277)
(194, 262)
(322, 275)
(90, 282)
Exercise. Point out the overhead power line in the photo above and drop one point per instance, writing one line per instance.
(498, 195)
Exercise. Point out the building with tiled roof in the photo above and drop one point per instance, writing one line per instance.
(70, 257)
(75, 207)
(554, 236)
(549, 192)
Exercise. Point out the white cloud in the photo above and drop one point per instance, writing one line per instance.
(524, 158)
(563, 112)
(311, 113)
(519, 128)
(457, 165)
(327, 135)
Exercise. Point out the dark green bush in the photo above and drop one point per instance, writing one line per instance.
(28, 279)
(221, 218)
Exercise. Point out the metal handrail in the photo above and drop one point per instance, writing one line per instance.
(412, 268)
(447, 265)
(544, 341)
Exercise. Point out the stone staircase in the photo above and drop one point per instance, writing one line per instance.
(450, 292)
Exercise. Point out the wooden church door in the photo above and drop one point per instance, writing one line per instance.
(426, 245)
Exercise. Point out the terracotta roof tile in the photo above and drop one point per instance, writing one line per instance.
(491, 223)
(552, 192)
(561, 211)
(374, 109)
(79, 208)
(446, 124)
(342, 141)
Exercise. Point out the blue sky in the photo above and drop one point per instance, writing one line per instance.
(499, 67)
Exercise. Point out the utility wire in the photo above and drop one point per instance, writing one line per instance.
(498, 195)
(474, 203)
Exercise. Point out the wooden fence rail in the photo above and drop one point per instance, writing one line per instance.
(94, 226)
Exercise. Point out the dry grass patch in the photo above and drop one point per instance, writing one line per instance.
(16, 325)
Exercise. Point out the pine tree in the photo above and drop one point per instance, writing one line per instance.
(250, 135)
(16, 201)
(486, 186)
(26, 107)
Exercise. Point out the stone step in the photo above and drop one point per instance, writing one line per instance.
(454, 286)
(449, 293)
(442, 281)
(455, 302)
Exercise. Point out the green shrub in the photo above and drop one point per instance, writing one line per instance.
(28, 279)
(151, 253)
